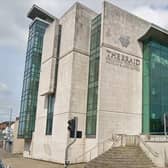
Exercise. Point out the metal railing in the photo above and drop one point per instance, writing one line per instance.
(157, 138)
(98, 149)
(115, 139)
(149, 149)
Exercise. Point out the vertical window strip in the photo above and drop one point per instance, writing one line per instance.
(91, 115)
(146, 91)
(31, 79)
(50, 112)
(155, 87)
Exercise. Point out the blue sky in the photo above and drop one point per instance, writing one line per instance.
(14, 31)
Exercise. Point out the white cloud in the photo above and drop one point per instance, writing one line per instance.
(158, 16)
(4, 88)
(7, 101)
(132, 4)
(13, 25)
(152, 11)
(15, 30)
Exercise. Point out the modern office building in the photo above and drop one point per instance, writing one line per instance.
(108, 69)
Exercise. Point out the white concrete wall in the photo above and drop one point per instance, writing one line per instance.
(120, 88)
(71, 89)
(48, 62)
(18, 144)
(156, 148)
(42, 148)
(80, 66)
(80, 72)
(162, 149)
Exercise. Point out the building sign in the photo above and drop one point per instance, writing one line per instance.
(122, 60)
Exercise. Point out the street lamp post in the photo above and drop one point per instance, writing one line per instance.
(10, 117)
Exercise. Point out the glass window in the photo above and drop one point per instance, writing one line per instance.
(91, 115)
(30, 87)
(155, 87)
(50, 111)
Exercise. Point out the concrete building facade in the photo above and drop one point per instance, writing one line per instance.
(100, 68)
(17, 144)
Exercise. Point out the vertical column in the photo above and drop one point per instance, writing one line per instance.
(146, 90)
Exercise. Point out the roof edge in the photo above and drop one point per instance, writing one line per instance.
(156, 33)
(36, 8)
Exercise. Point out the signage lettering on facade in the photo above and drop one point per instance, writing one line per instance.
(122, 60)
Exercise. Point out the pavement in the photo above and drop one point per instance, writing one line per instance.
(17, 161)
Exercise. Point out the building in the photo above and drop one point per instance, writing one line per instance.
(8, 137)
(3, 128)
(17, 143)
(5, 124)
(10, 141)
(108, 69)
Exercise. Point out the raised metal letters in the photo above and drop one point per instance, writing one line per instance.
(122, 60)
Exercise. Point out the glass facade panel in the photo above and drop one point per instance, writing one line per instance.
(155, 87)
(50, 112)
(91, 115)
(31, 79)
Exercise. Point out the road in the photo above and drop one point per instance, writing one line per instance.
(17, 161)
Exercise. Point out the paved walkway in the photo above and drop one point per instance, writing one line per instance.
(17, 161)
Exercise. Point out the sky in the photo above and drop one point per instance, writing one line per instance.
(14, 33)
